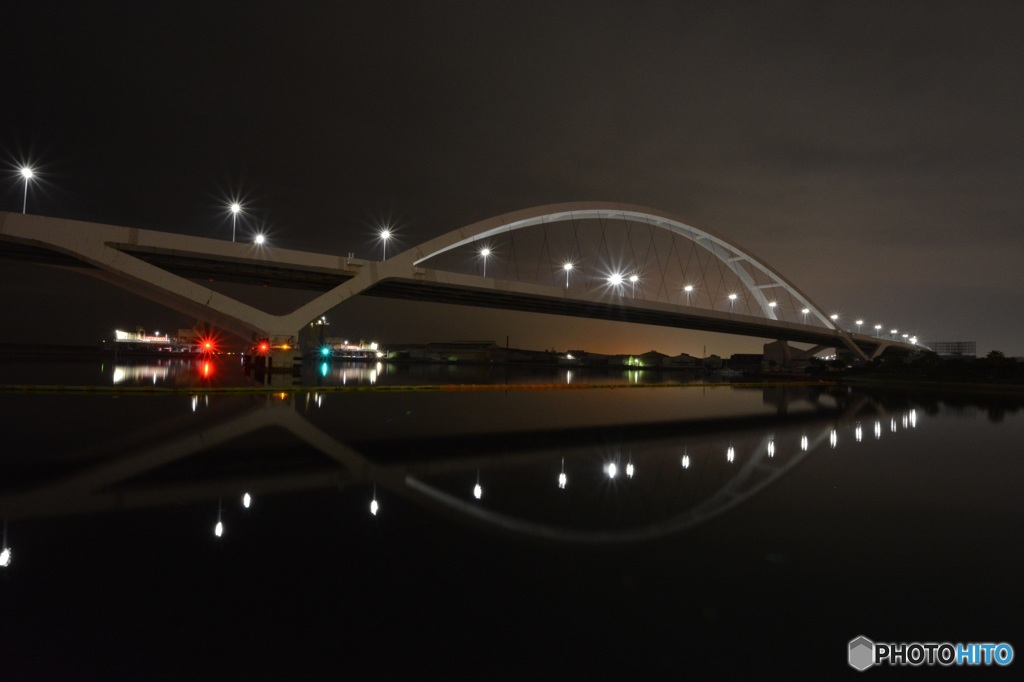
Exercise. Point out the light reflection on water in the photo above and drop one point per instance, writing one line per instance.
(642, 465)
(491, 517)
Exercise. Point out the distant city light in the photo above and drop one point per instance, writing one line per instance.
(478, 492)
(5, 557)
(374, 507)
(218, 530)
(562, 480)
(246, 500)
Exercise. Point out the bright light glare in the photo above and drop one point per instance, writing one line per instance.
(834, 317)
(686, 461)
(5, 557)
(385, 234)
(235, 208)
(28, 174)
(771, 448)
(246, 500)
(634, 278)
(805, 311)
(478, 492)
(615, 279)
(803, 443)
(833, 438)
(730, 454)
(567, 267)
(218, 530)
(612, 470)
(562, 480)
(485, 252)
(260, 239)
(688, 288)
(732, 297)
(772, 304)
(630, 469)
(374, 506)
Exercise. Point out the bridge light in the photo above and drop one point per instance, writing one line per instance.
(27, 174)
(567, 266)
(732, 300)
(478, 492)
(485, 253)
(246, 500)
(562, 480)
(894, 332)
(633, 280)
(878, 330)
(615, 279)
(611, 470)
(384, 235)
(689, 290)
(859, 323)
(235, 209)
(805, 311)
(834, 316)
(772, 304)
(260, 239)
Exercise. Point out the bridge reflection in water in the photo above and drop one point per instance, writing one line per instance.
(589, 481)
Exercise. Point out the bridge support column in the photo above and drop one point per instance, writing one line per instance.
(785, 355)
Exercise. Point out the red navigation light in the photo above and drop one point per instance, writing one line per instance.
(264, 347)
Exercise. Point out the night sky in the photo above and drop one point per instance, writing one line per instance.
(871, 152)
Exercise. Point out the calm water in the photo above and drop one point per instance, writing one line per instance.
(649, 532)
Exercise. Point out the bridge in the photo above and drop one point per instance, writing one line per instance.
(592, 259)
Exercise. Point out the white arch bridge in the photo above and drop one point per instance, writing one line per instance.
(591, 259)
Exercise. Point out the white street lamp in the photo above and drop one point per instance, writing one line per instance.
(27, 173)
(235, 209)
(633, 280)
(859, 323)
(385, 235)
(568, 268)
(485, 253)
(689, 290)
(260, 239)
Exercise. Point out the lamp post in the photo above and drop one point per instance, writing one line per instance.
(878, 331)
(859, 323)
(633, 279)
(568, 268)
(485, 253)
(615, 280)
(385, 235)
(732, 300)
(689, 290)
(26, 173)
(235, 209)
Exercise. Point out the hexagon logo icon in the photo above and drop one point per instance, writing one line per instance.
(862, 653)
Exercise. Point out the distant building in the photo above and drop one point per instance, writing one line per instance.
(956, 349)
